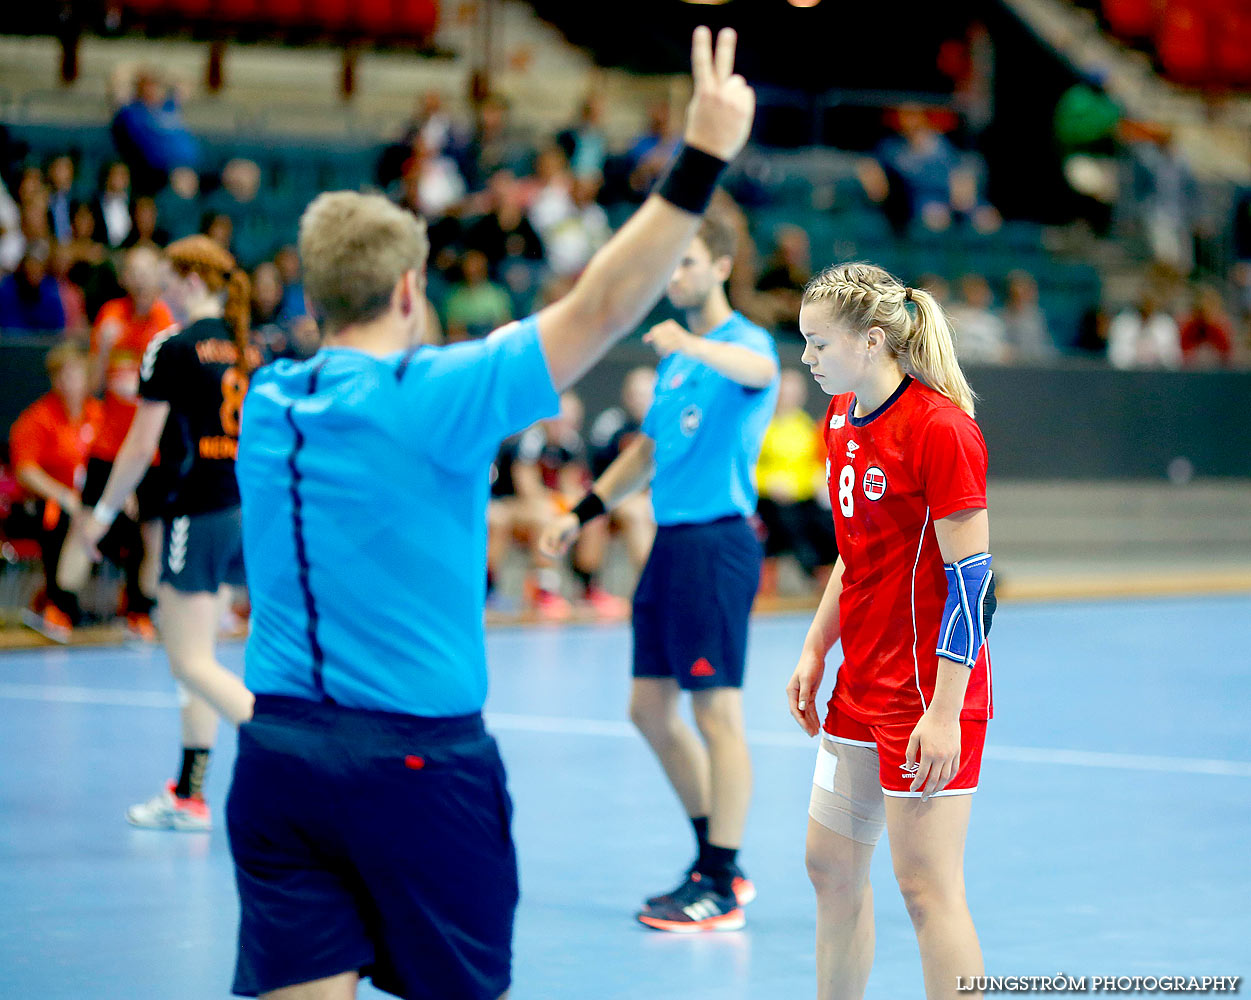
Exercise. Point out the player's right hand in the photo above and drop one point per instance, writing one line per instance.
(719, 117)
(559, 535)
(801, 692)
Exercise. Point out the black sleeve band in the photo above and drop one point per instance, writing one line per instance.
(589, 508)
(691, 180)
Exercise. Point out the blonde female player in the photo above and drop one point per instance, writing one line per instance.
(911, 599)
(196, 377)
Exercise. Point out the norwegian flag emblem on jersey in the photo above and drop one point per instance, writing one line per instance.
(874, 483)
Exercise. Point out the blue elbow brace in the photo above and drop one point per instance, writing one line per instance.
(970, 607)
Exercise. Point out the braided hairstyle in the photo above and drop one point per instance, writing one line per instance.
(218, 270)
(864, 296)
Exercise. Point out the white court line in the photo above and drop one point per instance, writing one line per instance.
(561, 725)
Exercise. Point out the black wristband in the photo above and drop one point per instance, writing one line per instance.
(691, 180)
(589, 508)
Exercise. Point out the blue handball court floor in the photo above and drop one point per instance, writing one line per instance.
(1110, 835)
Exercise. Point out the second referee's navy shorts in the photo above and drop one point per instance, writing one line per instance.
(693, 602)
(372, 842)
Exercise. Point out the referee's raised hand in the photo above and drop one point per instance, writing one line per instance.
(719, 117)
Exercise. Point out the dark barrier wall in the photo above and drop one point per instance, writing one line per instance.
(1070, 422)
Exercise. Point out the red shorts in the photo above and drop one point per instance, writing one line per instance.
(891, 743)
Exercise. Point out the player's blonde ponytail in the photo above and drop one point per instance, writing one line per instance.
(237, 314)
(864, 296)
(930, 351)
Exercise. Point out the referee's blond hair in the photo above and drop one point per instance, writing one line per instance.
(864, 296)
(354, 248)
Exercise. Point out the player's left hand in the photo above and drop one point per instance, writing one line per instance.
(935, 747)
(667, 338)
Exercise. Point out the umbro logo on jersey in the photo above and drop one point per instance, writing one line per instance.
(837, 421)
(874, 483)
(852, 448)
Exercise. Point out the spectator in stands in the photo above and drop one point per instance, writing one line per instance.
(651, 151)
(1024, 324)
(432, 125)
(61, 197)
(252, 230)
(477, 305)
(73, 299)
(88, 261)
(512, 247)
(32, 189)
(1166, 194)
(430, 184)
(493, 146)
(1087, 124)
(144, 228)
(938, 287)
(980, 333)
(292, 307)
(11, 242)
(786, 272)
(150, 134)
(584, 142)
(917, 175)
(112, 205)
(611, 433)
(178, 203)
(1206, 335)
(549, 190)
(219, 228)
(572, 241)
(504, 233)
(789, 473)
(1144, 336)
(48, 443)
(30, 301)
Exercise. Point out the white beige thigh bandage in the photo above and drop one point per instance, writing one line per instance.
(847, 791)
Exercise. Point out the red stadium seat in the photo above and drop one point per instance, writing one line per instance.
(1183, 44)
(285, 13)
(1231, 48)
(1135, 19)
(146, 8)
(416, 18)
(331, 16)
(237, 11)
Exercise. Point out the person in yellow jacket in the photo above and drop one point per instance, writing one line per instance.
(790, 476)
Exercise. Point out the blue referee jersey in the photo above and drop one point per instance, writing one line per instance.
(364, 484)
(708, 431)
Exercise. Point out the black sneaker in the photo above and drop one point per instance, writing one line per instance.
(744, 888)
(694, 907)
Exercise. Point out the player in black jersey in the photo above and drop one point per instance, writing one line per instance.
(193, 380)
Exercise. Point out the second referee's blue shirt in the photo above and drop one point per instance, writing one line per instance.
(708, 431)
(364, 483)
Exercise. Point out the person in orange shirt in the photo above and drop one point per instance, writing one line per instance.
(123, 330)
(48, 444)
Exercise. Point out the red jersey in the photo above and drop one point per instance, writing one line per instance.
(122, 366)
(46, 436)
(891, 474)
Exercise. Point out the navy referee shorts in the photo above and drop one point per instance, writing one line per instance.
(371, 842)
(693, 602)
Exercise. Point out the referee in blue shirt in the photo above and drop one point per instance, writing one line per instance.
(716, 390)
(368, 814)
